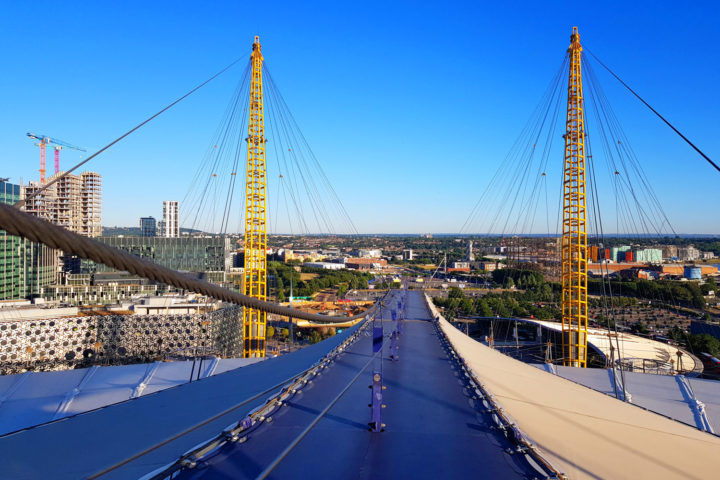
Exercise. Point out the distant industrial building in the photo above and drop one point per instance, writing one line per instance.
(148, 227)
(171, 219)
(408, 255)
(617, 254)
(688, 254)
(669, 252)
(648, 255)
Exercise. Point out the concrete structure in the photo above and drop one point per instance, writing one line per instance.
(460, 266)
(73, 202)
(171, 219)
(669, 252)
(148, 227)
(408, 254)
(470, 257)
(688, 254)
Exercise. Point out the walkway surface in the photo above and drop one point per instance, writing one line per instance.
(433, 429)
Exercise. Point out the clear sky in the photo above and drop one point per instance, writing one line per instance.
(410, 106)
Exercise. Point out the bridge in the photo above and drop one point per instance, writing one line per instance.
(400, 393)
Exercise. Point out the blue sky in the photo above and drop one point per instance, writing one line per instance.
(410, 106)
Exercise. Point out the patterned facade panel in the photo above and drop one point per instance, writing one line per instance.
(63, 343)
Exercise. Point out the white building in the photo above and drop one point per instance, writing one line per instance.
(171, 219)
(325, 265)
(688, 254)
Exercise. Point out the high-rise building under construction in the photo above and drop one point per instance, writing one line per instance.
(73, 202)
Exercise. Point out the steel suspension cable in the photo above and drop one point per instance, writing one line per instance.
(654, 111)
(17, 222)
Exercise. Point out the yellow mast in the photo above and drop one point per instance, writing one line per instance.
(255, 214)
(574, 239)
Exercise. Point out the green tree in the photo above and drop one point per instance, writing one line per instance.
(484, 309)
(705, 343)
(455, 292)
(314, 336)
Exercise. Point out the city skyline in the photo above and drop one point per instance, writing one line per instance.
(491, 76)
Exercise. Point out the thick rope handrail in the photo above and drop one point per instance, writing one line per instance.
(22, 224)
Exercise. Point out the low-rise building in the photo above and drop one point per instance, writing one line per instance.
(365, 263)
(324, 265)
(688, 254)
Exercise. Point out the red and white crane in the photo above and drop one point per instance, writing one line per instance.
(44, 141)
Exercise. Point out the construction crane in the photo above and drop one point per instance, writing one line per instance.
(44, 141)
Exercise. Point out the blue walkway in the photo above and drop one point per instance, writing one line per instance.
(433, 428)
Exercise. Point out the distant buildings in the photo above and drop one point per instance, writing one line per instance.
(187, 254)
(367, 252)
(408, 254)
(365, 263)
(25, 266)
(148, 227)
(461, 265)
(73, 202)
(325, 265)
(470, 257)
(688, 254)
(648, 255)
(171, 219)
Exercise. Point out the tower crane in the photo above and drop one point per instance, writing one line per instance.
(44, 141)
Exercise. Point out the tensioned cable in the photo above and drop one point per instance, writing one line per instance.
(22, 224)
(264, 474)
(37, 192)
(654, 111)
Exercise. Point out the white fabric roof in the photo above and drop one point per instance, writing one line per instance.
(32, 398)
(664, 394)
(585, 433)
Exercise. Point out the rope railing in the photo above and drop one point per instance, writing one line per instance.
(16, 222)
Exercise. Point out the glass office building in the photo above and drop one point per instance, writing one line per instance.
(186, 254)
(25, 266)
